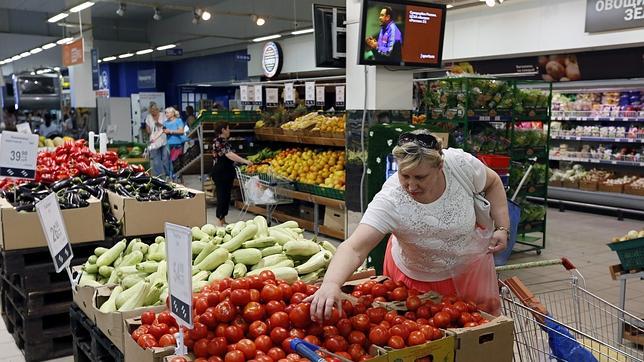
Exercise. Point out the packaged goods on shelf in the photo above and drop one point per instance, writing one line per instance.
(604, 104)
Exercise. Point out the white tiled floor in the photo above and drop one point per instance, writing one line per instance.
(578, 236)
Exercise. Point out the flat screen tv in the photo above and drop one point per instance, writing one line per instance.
(402, 33)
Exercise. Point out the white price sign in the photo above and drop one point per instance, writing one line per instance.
(289, 94)
(18, 153)
(339, 95)
(272, 97)
(53, 226)
(309, 93)
(243, 93)
(178, 241)
(319, 96)
(258, 95)
(23, 127)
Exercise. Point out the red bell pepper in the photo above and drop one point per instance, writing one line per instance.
(137, 168)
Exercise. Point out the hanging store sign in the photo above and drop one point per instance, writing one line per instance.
(243, 94)
(96, 84)
(73, 53)
(272, 59)
(319, 96)
(339, 96)
(146, 78)
(289, 95)
(272, 97)
(309, 94)
(258, 95)
(604, 15)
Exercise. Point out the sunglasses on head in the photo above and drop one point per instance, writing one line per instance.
(422, 140)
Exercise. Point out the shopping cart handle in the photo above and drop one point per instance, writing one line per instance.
(532, 160)
(306, 349)
(567, 264)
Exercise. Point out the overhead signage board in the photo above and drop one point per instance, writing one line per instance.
(605, 15)
(272, 59)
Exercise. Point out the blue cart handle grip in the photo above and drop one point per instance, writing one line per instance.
(306, 349)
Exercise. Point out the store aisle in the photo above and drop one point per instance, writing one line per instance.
(578, 236)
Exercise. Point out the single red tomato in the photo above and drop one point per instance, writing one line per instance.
(333, 318)
(311, 289)
(148, 317)
(298, 286)
(215, 359)
(263, 343)
(165, 317)
(208, 319)
(399, 330)
(411, 325)
(247, 347)
(167, 340)
(241, 323)
(225, 311)
(376, 315)
(357, 337)
(274, 306)
(278, 334)
(336, 344)
(158, 330)
(220, 330)
(240, 297)
(412, 303)
(453, 312)
(329, 331)
(441, 319)
(396, 342)
(390, 316)
(356, 351)
(415, 338)
(217, 346)
(240, 284)
(410, 315)
(297, 333)
(200, 349)
(379, 336)
(279, 319)
(253, 311)
(300, 315)
(360, 322)
(267, 275)
(344, 327)
(313, 340)
(147, 341)
(201, 305)
(315, 329)
(141, 330)
(347, 308)
(178, 359)
(234, 334)
(257, 328)
(465, 318)
(276, 353)
(297, 298)
(424, 312)
(399, 294)
(379, 290)
(428, 332)
(255, 295)
(198, 331)
(287, 291)
(235, 356)
(271, 292)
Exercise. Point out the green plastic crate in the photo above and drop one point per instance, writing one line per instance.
(630, 253)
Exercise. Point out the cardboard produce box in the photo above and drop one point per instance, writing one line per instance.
(22, 230)
(440, 350)
(335, 218)
(111, 324)
(132, 352)
(495, 338)
(84, 299)
(149, 217)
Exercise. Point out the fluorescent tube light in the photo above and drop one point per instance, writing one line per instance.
(48, 46)
(35, 50)
(109, 59)
(268, 37)
(126, 55)
(303, 31)
(164, 47)
(64, 41)
(56, 18)
(82, 6)
(144, 51)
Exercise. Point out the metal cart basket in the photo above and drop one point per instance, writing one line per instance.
(249, 184)
(553, 318)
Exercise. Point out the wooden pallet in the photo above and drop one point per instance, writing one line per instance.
(33, 270)
(90, 344)
(36, 304)
(617, 270)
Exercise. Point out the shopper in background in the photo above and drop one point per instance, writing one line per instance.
(159, 153)
(174, 130)
(190, 117)
(223, 170)
(49, 128)
(9, 119)
(428, 207)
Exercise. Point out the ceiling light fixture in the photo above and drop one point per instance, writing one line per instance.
(206, 15)
(490, 3)
(121, 10)
(164, 47)
(48, 46)
(82, 6)
(58, 17)
(157, 14)
(268, 37)
(25, 54)
(107, 59)
(99, 61)
(126, 55)
(144, 51)
(35, 50)
(303, 31)
(15, 57)
(64, 41)
(449, 6)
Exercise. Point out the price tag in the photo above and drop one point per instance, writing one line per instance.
(339, 96)
(613, 162)
(272, 97)
(24, 127)
(309, 94)
(584, 118)
(53, 226)
(630, 140)
(319, 96)
(243, 94)
(258, 95)
(178, 241)
(594, 161)
(289, 95)
(18, 153)
(578, 138)
(611, 118)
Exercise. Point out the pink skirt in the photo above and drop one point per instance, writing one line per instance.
(444, 287)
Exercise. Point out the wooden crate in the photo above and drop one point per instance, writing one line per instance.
(611, 188)
(639, 191)
(571, 184)
(588, 185)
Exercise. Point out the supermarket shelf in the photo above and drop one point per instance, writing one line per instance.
(309, 140)
(307, 224)
(598, 139)
(603, 162)
(610, 199)
(303, 196)
(598, 119)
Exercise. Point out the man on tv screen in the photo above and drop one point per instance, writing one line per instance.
(388, 45)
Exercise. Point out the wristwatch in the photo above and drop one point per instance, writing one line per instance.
(503, 228)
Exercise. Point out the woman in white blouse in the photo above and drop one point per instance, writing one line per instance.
(429, 210)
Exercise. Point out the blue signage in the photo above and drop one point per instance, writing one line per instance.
(95, 75)
(242, 57)
(146, 78)
(174, 52)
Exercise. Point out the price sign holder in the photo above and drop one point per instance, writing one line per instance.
(18, 153)
(24, 127)
(179, 257)
(258, 95)
(319, 96)
(243, 94)
(53, 226)
(339, 96)
(289, 95)
(309, 94)
(272, 97)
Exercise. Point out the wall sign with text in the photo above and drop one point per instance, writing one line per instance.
(272, 59)
(603, 15)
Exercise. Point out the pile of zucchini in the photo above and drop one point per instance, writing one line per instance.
(245, 248)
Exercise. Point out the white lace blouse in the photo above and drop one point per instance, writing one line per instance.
(428, 238)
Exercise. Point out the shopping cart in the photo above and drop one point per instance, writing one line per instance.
(560, 320)
(268, 185)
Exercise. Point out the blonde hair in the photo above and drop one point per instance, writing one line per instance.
(174, 111)
(410, 155)
(153, 107)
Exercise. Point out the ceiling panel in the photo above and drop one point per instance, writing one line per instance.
(49, 6)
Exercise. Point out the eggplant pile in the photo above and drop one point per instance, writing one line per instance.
(71, 193)
(142, 186)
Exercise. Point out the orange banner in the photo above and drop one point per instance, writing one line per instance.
(73, 53)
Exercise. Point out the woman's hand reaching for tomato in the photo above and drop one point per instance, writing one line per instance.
(323, 301)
